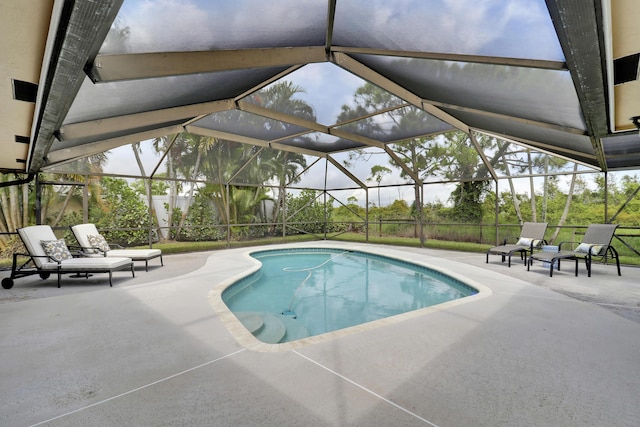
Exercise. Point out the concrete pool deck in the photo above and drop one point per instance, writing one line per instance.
(560, 351)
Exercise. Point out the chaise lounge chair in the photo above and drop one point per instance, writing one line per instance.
(49, 255)
(93, 243)
(531, 237)
(596, 244)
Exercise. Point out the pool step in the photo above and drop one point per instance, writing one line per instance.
(295, 329)
(252, 321)
(271, 328)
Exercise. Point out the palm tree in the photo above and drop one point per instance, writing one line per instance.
(201, 145)
(224, 160)
(87, 167)
(177, 146)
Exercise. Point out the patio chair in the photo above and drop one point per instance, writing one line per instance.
(595, 245)
(92, 243)
(531, 237)
(49, 255)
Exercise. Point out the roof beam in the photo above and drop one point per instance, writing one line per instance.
(506, 117)
(483, 156)
(357, 138)
(268, 81)
(551, 150)
(139, 120)
(368, 74)
(403, 165)
(331, 17)
(345, 171)
(226, 136)
(109, 68)
(299, 150)
(492, 60)
(90, 149)
(283, 117)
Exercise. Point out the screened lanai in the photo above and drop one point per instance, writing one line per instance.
(558, 77)
(345, 85)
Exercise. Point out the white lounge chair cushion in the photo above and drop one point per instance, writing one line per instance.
(87, 263)
(134, 254)
(33, 235)
(137, 254)
(82, 231)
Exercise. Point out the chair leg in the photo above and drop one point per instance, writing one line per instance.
(110, 274)
(162, 262)
(146, 265)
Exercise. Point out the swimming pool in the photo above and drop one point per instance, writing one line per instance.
(299, 293)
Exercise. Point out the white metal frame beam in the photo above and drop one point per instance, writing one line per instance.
(134, 66)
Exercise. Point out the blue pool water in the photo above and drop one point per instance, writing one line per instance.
(305, 292)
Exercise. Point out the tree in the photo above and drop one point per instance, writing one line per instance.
(307, 214)
(201, 145)
(15, 209)
(377, 173)
(418, 156)
(227, 165)
(158, 187)
(177, 148)
(122, 209)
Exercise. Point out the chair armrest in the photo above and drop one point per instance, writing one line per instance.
(84, 251)
(47, 257)
(537, 244)
(17, 254)
(604, 249)
(80, 248)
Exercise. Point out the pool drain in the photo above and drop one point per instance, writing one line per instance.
(289, 313)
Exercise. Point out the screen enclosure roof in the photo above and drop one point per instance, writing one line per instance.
(84, 77)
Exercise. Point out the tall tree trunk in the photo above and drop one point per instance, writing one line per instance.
(15, 206)
(67, 199)
(3, 227)
(25, 205)
(545, 189)
(534, 212)
(190, 195)
(172, 192)
(514, 195)
(567, 205)
(147, 187)
(6, 209)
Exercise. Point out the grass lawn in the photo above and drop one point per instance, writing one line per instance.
(185, 247)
